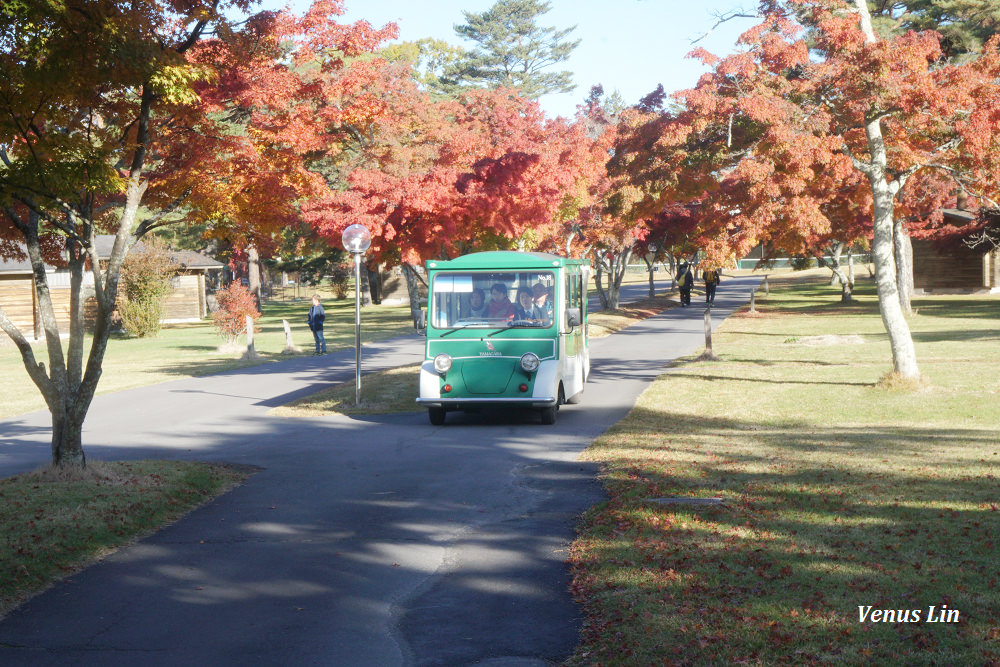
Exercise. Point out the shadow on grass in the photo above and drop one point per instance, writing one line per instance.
(954, 335)
(814, 523)
(768, 362)
(197, 348)
(972, 307)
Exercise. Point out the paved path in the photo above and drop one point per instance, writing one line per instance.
(362, 541)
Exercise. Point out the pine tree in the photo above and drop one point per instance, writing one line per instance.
(512, 50)
(965, 25)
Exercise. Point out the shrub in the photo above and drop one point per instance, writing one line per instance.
(802, 263)
(143, 285)
(236, 302)
(341, 275)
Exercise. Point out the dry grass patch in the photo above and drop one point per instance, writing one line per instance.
(394, 390)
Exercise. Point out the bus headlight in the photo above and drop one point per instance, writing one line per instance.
(442, 363)
(529, 362)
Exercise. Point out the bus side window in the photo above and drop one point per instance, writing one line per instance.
(572, 291)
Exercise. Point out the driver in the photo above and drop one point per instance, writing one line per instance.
(525, 306)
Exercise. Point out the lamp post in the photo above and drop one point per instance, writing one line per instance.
(356, 240)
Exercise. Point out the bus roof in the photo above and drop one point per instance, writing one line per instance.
(505, 259)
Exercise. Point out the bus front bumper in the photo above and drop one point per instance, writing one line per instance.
(460, 403)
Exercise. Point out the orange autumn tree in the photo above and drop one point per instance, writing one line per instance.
(445, 177)
(302, 106)
(601, 229)
(794, 142)
(121, 117)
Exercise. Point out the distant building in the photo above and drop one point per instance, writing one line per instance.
(952, 266)
(188, 301)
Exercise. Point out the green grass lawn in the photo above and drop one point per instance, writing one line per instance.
(185, 350)
(835, 494)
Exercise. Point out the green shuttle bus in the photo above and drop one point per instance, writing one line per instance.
(505, 328)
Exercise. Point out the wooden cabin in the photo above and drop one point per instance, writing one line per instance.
(187, 302)
(955, 267)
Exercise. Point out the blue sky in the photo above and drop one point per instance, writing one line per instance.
(627, 45)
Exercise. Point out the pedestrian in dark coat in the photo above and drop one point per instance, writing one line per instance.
(711, 277)
(316, 317)
(685, 281)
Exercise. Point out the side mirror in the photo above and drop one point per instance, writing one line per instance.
(419, 321)
(573, 318)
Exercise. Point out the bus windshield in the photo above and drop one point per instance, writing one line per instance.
(492, 299)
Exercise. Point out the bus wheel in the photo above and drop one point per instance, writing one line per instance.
(436, 415)
(549, 414)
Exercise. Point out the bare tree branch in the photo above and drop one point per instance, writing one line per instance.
(721, 18)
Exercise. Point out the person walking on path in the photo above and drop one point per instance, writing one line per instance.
(712, 279)
(316, 317)
(685, 281)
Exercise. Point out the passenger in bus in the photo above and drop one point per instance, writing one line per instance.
(500, 307)
(524, 309)
(542, 304)
(477, 304)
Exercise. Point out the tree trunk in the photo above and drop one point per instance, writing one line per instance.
(374, 285)
(67, 439)
(838, 249)
(903, 252)
(619, 266)
(253, 273)
(599, 281)
(904, 356)
(366, 296)
(652, 285)
(837, 271)
(413, 281)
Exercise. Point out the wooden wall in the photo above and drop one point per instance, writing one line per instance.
(186, 300)
(17, 299)
(954, 269)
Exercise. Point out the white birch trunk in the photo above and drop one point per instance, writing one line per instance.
(904, 356)
(903, 252)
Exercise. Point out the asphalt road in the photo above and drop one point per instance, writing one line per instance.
(361, 541)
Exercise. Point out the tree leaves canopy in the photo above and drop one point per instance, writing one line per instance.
(964, 25)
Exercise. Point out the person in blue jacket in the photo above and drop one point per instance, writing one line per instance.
(316, 317)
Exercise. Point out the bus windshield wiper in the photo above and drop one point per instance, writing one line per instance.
(464, 326)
